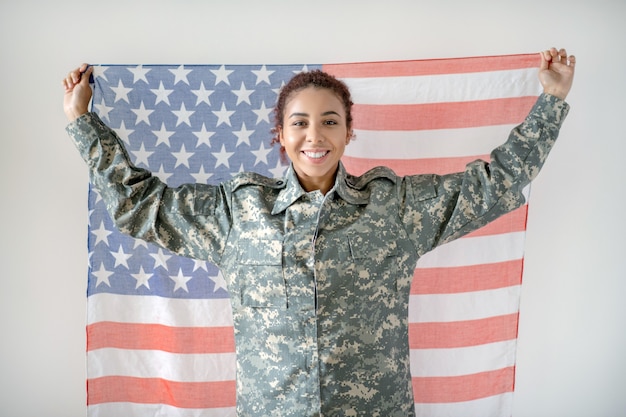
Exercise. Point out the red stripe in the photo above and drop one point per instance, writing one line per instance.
(467, 278)
(160, 391)
(452, 115)
(463, 388)
(402, 167)
(463, 333)
(514, 221)
(433, 66)
(160, 337)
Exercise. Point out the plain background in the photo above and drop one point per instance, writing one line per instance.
(572, 335)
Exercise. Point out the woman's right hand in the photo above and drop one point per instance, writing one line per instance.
(77, 92)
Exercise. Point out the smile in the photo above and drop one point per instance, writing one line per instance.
(315, 155)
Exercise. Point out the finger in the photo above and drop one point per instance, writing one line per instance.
(571, 60)
(563, 56)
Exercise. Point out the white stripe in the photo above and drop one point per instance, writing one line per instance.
(155, 410)
(475, 305)
(475, 251)
(158, 310)
(444, 88)
(438, 143)
(463, 361)
(159, 364)
(494, 406)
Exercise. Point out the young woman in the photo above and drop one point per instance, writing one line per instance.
(319, 263)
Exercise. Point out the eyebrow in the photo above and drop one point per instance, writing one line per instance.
(328, 113)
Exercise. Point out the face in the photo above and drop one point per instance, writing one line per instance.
(315, 134)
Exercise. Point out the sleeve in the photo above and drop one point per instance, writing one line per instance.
(439, 208)
(191, 220)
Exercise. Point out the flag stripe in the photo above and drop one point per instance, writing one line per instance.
(159, 364)
(467, 278)
(158, 336)
(467, 360)
(463, 333)
(425, 144)
(402, 167)
(495, 405)
(464, 306)
(434, 66)
(156, 390)
(105, 307)
(463, 388)
(120, 409)
(444, 88)
(442, 115)
(515, 221)
(476, 250)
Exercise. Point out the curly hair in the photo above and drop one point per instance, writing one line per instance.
(317, 79)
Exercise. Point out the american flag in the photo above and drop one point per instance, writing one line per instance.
(159, 332)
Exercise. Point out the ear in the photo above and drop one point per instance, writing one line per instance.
(350, 136)
(280, 136)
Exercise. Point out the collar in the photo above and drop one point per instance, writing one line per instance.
(344, 188)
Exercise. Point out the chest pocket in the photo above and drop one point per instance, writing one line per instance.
(261, 273)
(375, 264)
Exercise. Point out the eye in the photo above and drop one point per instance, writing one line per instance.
(330, 122)
(299, 123)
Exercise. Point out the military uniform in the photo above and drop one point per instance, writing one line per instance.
(319, 284)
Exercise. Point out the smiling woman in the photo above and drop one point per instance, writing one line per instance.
(319, 264)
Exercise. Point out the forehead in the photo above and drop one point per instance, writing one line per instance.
(314, 98)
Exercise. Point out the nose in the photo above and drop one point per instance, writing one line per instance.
(314, 133)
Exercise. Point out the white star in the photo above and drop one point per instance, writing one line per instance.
(204, 135)
(102, 234)
(99, 72)
(261, 154)
(202, 177)
(124, 133)
(142, 278)
(197, 264)
(182, 157)
(162, 175)
(180, 74)
(142, 114)
(161, 94)
(102, 276)
(243, 95)
(203, 94)
(263, 114)
(121, 92)
(243, 135)
(222, 157)
(223, 115)
(180, 280)
(263, 75)
(139, 73)
(121, 257)
(221, 75)
(102, 109)
(160, 258)
(141, 156)
(279, 170)
(163, 136)
(183, 115)
(305, 68)
(219, 282)
(140, 242)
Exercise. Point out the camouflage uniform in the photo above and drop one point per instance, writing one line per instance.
(319, 284)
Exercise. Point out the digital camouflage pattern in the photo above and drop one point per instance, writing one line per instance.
(319, 284)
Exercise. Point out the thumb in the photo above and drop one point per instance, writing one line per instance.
(86, 76)
(545, 62)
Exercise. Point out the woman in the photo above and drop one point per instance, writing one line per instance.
(319, 264)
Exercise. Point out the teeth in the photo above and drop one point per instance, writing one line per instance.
(315, 154)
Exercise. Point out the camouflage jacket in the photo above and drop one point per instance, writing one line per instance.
(319, 284)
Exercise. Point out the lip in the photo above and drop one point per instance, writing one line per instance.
(316, 155)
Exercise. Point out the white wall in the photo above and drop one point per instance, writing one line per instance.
(571, 358)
